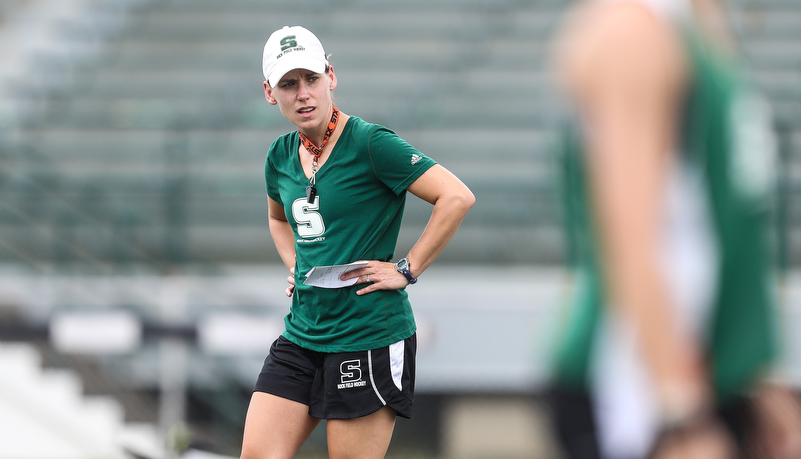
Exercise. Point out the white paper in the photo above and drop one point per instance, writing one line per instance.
(328, 276)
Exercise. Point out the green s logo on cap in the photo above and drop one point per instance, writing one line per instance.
(288, 42)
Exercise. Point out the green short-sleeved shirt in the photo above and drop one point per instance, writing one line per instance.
(361, 195)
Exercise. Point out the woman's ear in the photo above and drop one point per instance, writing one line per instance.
(333, 77)
(268, 94)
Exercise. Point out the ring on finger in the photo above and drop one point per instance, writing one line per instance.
(368, 278)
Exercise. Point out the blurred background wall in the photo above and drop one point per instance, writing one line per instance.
(139, 287)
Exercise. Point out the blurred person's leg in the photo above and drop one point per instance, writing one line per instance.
(275, 427)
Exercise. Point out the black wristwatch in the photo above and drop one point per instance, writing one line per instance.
(403, 267)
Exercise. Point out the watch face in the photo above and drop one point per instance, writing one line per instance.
(403, 267)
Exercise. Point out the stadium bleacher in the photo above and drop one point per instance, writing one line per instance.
(172, 115)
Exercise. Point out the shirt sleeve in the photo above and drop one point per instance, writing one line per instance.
(270, 175)
(395, 162)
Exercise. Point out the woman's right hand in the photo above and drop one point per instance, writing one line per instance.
(291, 280)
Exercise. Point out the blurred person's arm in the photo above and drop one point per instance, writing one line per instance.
(284, 239)
(626, 70)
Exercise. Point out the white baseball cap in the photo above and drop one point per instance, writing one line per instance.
(292, 48)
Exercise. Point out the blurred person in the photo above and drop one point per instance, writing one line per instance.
(670, 337)
(336, 193)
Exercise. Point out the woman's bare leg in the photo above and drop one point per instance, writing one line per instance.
(367, 437)
(275, 427)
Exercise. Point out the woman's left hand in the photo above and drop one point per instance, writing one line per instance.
(377, 275)
(291, 280)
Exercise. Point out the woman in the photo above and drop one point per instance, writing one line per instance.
(336, 193)
(671, 332)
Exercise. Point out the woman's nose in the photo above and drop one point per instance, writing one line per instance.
(303, 91)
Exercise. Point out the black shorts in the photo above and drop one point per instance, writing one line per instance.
(342, 385)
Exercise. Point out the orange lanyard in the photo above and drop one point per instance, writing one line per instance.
(311, 190)
(312, 148)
